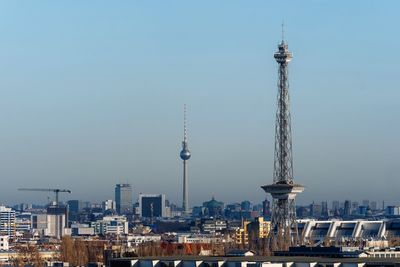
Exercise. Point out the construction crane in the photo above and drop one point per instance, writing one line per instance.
(56, 191)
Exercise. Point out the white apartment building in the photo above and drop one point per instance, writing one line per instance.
(4, 242)
(111, 225)
(7, 221)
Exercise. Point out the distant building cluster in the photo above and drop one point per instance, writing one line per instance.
(153, 217)
(347, 209)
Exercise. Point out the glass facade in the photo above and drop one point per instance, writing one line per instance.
(152, 206)
(123, 198)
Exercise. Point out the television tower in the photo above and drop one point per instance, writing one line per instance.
(185, 156)
(284, 232)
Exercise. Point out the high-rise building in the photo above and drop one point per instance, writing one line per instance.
(284, 231)
(57, 220)
(185, 156)
(39, 223)
(324, 211)
(74, 208)
(109, 204)
(266, 208)
(252, 231)
(152, 205)
(354, 207)
(335, 206)
(7, 221)
(123, 198)
(347, 208)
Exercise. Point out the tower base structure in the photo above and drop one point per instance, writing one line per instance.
(284, 232)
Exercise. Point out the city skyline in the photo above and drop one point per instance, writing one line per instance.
(136, 199)
(92, 97)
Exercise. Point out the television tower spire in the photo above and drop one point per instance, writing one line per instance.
(184, 124)
(185, 156)
(284, 231)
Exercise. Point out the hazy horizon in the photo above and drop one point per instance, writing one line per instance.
(92, 95)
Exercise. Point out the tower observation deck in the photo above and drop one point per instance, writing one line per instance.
(283, 190)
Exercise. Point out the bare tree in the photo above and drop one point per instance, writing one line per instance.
(67, 249)
(81, 253)
(28, 255)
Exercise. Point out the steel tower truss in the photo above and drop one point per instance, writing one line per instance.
(283, 190)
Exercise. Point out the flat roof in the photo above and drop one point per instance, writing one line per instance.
(275, 259)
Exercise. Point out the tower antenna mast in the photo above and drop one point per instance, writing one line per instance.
(184, 124)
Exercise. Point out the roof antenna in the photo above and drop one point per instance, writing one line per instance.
(184, 124)
(283, 32)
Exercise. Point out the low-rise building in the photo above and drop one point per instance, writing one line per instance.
(81, 230)
(135, 240)
(392, 210)
(213, 226)
(4, 242)
(199, 239)
(111, 225)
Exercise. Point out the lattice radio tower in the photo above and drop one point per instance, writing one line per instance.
(284, 231)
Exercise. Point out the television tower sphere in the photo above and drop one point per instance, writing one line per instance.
(185, 153)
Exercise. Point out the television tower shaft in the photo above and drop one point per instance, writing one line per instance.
(185, 156)
(284, 231)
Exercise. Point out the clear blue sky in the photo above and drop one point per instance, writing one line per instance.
(92, 92)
